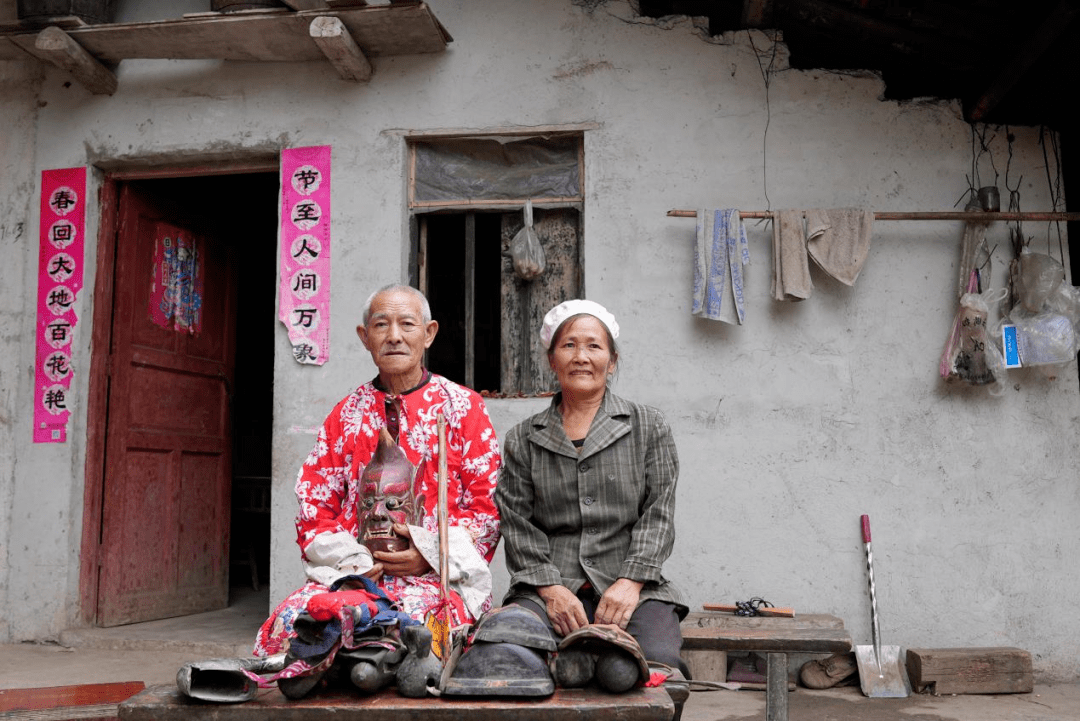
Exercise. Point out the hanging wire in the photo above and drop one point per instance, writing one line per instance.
(766, 75)
(984, 149)
(1054, 184)
(1014, 196)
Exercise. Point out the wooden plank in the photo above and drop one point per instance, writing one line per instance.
(970, 670)
(796, 640)
(776, 704)
(306, 4)
(58, 48)
(64, 22)
(165, 703)
(331, 36)
(709, 619)
(524, 303)
(706, 664)
(263, 35)
(810, 633)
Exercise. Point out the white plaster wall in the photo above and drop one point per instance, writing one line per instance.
(18, 111)
(788, 427)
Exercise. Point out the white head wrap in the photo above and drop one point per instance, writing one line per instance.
(562, 311)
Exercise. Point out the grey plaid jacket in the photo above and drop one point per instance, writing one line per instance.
(598, 515)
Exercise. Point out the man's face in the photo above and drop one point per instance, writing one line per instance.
(395, 334)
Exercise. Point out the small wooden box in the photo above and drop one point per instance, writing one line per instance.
(970, 670)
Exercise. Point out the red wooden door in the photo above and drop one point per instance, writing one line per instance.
(165, 504)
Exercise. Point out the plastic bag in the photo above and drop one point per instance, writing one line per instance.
(1046, 313)
(969, 354)
(1038, 278)
(525, 249)
(1045, 339)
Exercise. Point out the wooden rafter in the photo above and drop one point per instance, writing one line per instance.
(55, 46)
(333, 38)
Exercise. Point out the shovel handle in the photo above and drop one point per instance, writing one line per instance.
(865, 529)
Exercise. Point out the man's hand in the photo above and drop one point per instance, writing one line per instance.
(618, 602)
(402, 563)
(375, 573)
(563, 608)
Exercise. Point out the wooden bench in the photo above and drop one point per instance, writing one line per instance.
(166, 703)
(775, 637)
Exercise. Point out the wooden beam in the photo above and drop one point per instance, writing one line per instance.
(279, 35)
(55, 46)
(1030, 50)
(757, 13)
(333, 38)
(306, 4)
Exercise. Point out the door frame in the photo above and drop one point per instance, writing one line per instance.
(100, 348)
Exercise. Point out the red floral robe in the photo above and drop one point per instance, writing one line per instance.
(327, 486)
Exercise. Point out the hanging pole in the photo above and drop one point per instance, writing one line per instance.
(924, 215)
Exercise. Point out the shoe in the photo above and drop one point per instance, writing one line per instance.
(836, 670)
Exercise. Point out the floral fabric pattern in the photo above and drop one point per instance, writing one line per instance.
(328, 482)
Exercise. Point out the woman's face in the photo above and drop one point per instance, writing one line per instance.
(581, 356)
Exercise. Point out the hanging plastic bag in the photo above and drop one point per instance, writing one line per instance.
(1046, 314)
(1039, 277)
(525, 249)
(1045, 339)
(969, 354)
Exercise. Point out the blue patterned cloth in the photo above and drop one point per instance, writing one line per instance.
(719, 256)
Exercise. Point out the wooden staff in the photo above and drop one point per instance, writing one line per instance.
(444, 535)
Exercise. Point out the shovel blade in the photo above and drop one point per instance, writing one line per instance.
(887, 679)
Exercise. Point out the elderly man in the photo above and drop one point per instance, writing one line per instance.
(400, 405)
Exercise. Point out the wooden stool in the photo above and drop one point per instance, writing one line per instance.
(775, 637)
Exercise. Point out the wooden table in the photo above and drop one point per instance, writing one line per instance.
(166, 703)
(775, 637)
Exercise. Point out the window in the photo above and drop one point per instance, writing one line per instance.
(467, 196)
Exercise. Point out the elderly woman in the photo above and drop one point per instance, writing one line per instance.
(587, 496)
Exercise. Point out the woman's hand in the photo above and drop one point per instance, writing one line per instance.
(402, 563)
(618, 602)
(563, 608)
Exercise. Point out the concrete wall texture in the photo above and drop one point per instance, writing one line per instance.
(789, 427)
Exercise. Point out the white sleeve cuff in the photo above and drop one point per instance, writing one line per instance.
(331, 556)
(469, 572)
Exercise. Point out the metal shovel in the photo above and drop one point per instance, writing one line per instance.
(882, 673)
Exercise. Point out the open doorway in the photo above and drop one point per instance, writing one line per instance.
(179, 436)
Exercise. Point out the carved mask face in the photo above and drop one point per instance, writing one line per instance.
(386, 497)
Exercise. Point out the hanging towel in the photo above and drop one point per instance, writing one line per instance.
(719, 256)
(791, 269)
(839, 240)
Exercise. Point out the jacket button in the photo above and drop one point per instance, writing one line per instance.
(583, 467)
(587, 561)
(593, 530)
(588, 500)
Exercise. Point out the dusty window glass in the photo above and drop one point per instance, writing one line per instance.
(495, 172)
(466, 214)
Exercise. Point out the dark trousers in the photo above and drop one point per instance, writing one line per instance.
(654, 624)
